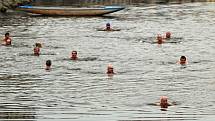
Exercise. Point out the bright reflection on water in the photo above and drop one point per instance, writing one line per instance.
(81, 90)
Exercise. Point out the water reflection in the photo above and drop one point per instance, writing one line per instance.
(20, 114)
(15, 98)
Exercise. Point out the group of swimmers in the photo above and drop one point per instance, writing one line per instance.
(161, 39)
(110, 70)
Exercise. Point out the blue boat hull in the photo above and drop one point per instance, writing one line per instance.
(68, 11)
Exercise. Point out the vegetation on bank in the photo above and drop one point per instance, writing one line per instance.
(11, 4)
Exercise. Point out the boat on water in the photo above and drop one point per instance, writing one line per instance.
(70, 11)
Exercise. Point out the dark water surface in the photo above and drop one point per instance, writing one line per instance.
(80, 90)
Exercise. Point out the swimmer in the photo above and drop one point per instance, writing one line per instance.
(168, 35)
(7, 40)
(108, 27)
(74, 55)
(164, 102)
(48, 65)
(183, 60)
(37, 49)
(110, 69)
(159, 39)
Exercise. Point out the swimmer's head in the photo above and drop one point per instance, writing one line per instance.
(37, 49)
(48, 63)
(163, 98)
(7, 34)
(110, 66)
(74, 52)
(110, 69)
(38, 45)
(168, 35)
(183, 60)
(74, 55)
(107, 24)
(164, 102)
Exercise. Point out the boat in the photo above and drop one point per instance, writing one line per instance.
(70, 11)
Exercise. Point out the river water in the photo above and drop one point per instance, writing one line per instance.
(80, 90)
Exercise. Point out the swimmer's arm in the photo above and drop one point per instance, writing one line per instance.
(102, 29)
(116, 29)
(154, 104)
(170, 104)
(157, 104)
(174, 103)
